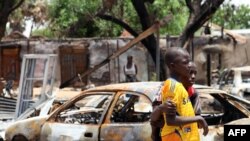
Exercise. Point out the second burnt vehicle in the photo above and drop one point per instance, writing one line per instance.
(121, 112)
(236, 81)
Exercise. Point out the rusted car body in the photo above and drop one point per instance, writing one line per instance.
(236, 81)
(120, 112)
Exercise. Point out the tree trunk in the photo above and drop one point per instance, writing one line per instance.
(200, 13)
(7, 6)
(150, 41)
(3, 22)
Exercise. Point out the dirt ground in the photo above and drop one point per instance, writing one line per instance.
(65, 93)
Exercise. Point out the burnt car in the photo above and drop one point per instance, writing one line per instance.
(236, 81)
(121, 112)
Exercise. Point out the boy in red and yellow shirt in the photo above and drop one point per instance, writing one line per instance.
(183, 125)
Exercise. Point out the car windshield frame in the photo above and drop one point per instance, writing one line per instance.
(67, 104)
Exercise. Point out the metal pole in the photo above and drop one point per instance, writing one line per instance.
(208, 69)
(219, 62)
(192, 49)
(158, 56)
(107, 43)
(167, 44)
(149, 70)
(118, 60)
(1, 58)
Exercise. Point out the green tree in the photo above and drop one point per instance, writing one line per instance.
(74, 18)
(199, 12)
(233, 17)
(135, 16)
(78, 18)
(33, 10)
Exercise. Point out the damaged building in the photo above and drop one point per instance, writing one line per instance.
(75, 56)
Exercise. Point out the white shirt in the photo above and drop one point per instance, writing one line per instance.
(130, 71)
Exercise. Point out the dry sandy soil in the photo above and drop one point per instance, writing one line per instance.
(65, 93)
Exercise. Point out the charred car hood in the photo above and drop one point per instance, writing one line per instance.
(29, 127)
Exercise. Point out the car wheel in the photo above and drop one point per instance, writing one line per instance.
(1, 139)
(19, 138)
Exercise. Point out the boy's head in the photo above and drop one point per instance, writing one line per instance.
(177, 59)
(188, 81)
(192, 72)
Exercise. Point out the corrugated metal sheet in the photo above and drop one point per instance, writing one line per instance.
(7, 107)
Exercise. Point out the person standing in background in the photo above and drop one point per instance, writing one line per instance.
(130, 70)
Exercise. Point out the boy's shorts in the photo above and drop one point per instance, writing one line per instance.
(172, 137)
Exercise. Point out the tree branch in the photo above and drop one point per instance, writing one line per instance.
(212, 6)
(149, 1)
(142, 12)
(119, 22)
(122, 24)
(16, 6)
(189, 5)
(150, 41)
(197, 6)
(198, 19)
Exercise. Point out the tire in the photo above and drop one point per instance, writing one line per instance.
(1, 139)
(19, 138)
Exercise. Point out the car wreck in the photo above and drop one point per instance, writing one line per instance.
(31, 101)
(122, 112)
(236, 81)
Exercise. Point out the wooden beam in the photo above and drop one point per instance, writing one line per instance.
(129, 45)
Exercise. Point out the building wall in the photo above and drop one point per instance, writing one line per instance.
(98, 50)
(231, 56)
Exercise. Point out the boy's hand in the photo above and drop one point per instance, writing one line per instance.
(203, 124)
(168, 107)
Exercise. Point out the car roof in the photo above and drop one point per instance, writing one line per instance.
(244, 68)
(207, 89)
(150, 88)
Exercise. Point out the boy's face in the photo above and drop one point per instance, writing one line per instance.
(181, 64)
(189, 81)
(192, 73)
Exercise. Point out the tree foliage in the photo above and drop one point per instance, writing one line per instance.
(87, 18)
(77, 18)
(233, 17)
(200, 11)
(136, 16)
(32, 10)
(177, 8)
(71, 16)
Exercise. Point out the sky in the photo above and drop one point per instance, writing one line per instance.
(238, 2)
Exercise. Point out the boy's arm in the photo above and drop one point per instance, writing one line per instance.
(174, 120)
(167, 107)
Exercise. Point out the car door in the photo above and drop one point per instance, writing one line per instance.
(78, 120)
(128, 118)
